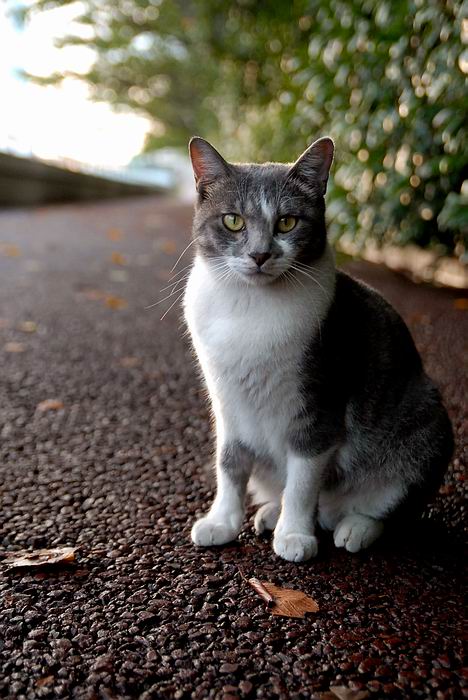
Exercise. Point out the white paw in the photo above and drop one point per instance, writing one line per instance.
(266, 517)
(295, 546)
(207, 532)
(356, 532)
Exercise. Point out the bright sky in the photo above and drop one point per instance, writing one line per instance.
(57, 122)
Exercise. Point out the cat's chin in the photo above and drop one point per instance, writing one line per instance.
(256, 278)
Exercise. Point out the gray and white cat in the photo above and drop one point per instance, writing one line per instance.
(322, 407)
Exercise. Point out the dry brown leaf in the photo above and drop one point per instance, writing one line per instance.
(39, 557)
(168, 246)
(262, 591)
(342, 692)
(49, 405)
(13, 346)
(286, 601)
(28, 326)
(129, 361)
(47, 680)
(118, 259)
(114, 234)
(114, 302)
(461, 304)
(9, 250)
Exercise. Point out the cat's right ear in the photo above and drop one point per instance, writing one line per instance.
(208, 165)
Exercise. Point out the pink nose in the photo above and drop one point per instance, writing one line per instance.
(260, 258)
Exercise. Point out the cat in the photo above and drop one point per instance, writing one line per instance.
(322, 408)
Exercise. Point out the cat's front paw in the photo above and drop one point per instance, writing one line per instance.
(208, 532)
(295, 546)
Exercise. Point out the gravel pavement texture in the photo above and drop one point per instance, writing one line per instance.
(116, 467)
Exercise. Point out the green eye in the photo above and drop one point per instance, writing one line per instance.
(286, 224)
(233, 222)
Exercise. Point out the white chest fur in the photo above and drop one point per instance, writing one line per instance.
(250, 342)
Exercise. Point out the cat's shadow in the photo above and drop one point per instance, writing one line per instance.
(424, 539)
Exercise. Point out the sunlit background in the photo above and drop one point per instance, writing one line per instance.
(58, 122)
(95, 83)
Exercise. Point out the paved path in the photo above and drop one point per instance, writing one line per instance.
(119, 473)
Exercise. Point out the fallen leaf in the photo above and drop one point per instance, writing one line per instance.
(28, 327)
(114, 302)
(461, 304)
(423, 319)
(49, 405)
(44, 681)
(12, 346)
(286, 601)
(129, 361)
(342, 692)
(168, 246)
(10, 250)
(118, 259)
(114, 234)
(262, 591)
(39, 557)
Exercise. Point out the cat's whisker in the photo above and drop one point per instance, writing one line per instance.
(183, 252)
(171, 306)
(173, 291)
(174, 284)
(170, 281)
(298, 269)
(307, 267)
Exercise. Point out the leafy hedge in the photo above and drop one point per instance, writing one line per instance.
(261, 78)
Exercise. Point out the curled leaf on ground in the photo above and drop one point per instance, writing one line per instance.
(38, 557)
(114, 302)
(28, 326)
(9, 250)
(129, 361)
(114, 234)
(49, 405)
(118, 258)
(342, 692)
(13, 346)
(286, 602)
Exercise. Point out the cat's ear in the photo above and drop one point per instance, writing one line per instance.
(314, 164)
(208, 165)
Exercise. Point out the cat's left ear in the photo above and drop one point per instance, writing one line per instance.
(314, 164)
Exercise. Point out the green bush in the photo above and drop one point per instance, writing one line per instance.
(261, 78)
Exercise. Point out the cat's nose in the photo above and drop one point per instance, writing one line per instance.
(260, 258)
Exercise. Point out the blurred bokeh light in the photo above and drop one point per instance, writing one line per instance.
(262, 79)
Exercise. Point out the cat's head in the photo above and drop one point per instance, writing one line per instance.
(259, 221)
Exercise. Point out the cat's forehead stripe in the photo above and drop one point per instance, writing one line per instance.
(267, 206)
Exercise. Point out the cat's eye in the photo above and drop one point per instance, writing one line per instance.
(286, 224)
(233, 222)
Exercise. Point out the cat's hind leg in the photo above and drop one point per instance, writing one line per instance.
(356, 532)
(266, 517)
(357, 515)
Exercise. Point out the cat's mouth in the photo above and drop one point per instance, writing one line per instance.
(257, 276)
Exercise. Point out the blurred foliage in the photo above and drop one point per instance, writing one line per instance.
(261, 79)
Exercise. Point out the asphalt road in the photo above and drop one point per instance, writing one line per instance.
(115, 465)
